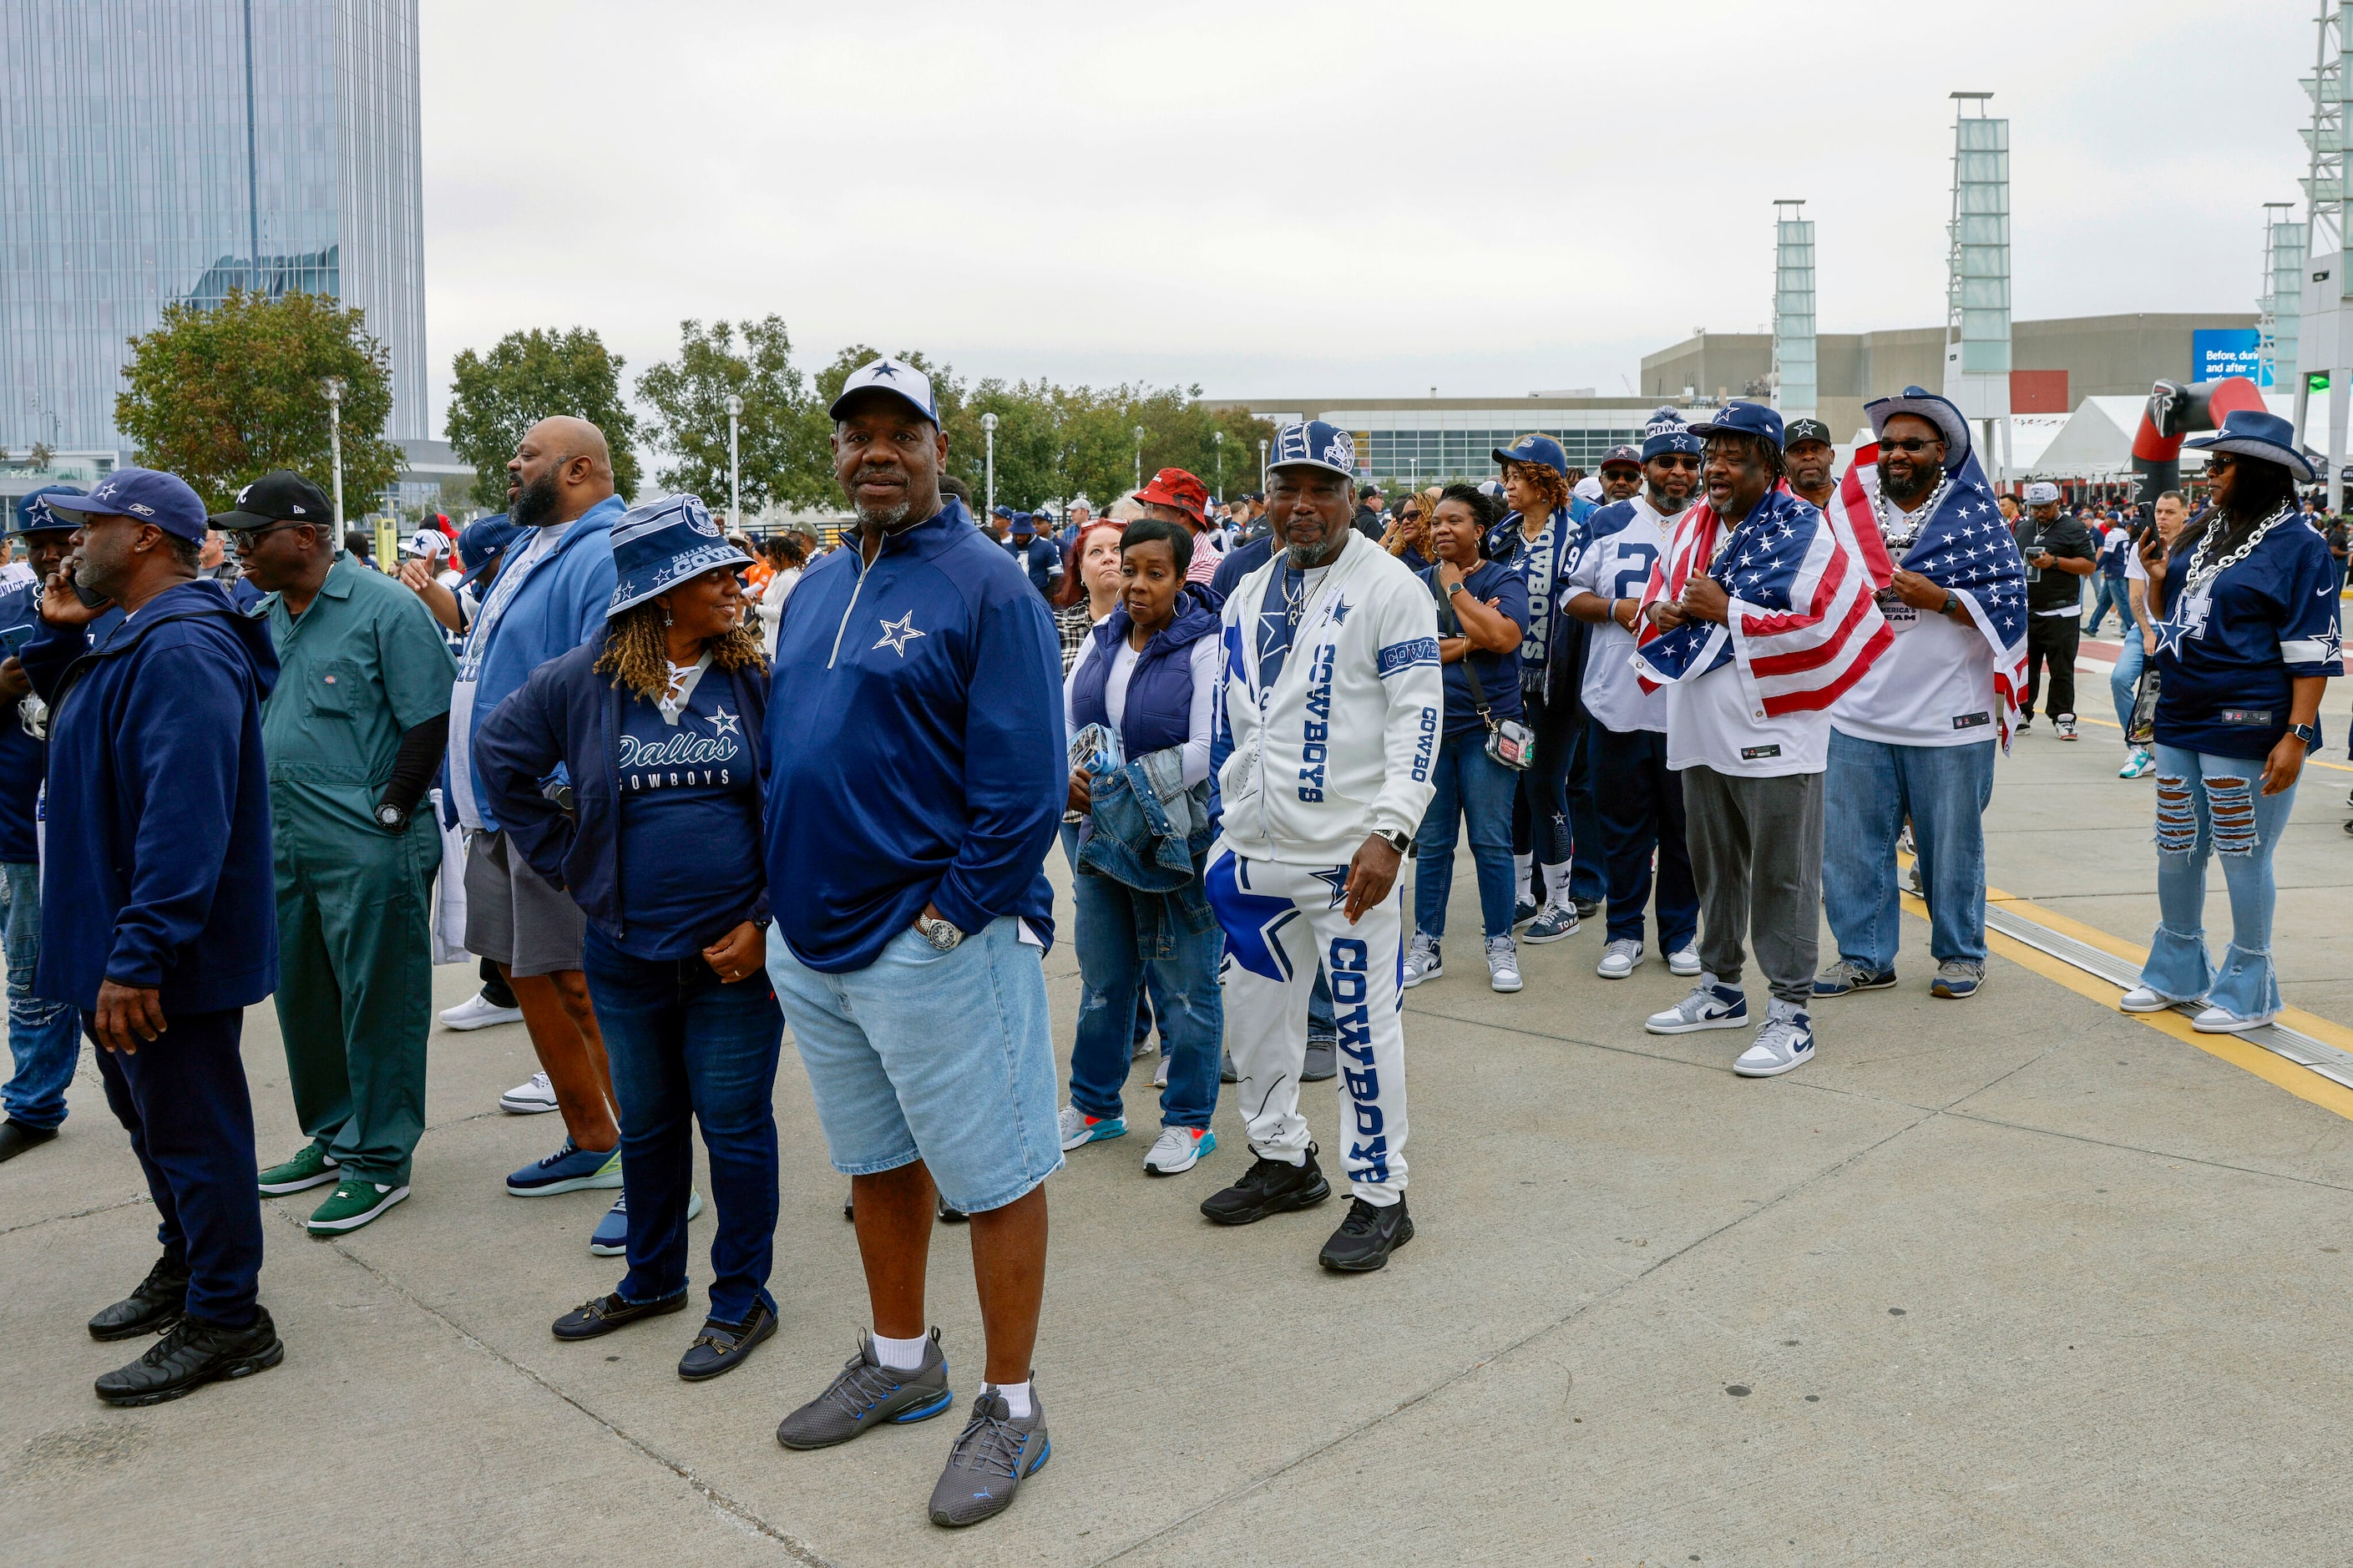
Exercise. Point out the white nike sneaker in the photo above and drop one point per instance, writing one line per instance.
(1683, 960)
(2223, 1021)
(1785, 1042)
(2144, 999)
(1503, 964)
(1422, 962)
(1618, 959)
(477, 1012)
(529, 1099)
(1177, 1150)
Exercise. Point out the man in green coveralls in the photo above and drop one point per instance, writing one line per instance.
(353, 733)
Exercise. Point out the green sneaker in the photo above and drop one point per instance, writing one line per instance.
(314, 1167)
(355, 1203)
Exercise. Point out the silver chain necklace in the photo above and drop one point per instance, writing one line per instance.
(2200, 574)
(1904, 534)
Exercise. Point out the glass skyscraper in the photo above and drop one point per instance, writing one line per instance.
(161, 150)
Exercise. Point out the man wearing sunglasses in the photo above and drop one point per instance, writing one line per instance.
(352, 733)
(2059, 555)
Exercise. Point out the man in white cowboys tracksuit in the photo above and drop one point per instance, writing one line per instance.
(1331, 700)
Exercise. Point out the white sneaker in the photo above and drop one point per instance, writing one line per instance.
(2223, 1021)
(1785, 1041)
(1177, 1150)
(1503, 964)
(477, 1012)
(527, 1098)
(1618, 959)
(1709, 1006)
(1422, 962)
(1160, 1074)
(1683, 962)
(2142, 999)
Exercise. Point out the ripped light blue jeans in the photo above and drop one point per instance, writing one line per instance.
(2210, 806)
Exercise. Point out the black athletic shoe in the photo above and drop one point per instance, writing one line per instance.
(1587, 908)
(591, 1320)
(1367, 1238)
(191, 1356)
(1227, 1073)
(15, 1137)
(947, 1215)
(151, 1308)
(1269, 1188)
(1322, 1061)
(721, 1347)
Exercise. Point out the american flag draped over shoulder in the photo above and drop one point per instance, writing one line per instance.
(1802, 625)
(1965, 546)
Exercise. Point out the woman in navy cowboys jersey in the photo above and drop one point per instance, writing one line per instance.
(2246, 611)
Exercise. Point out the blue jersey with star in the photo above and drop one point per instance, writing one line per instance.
(2227, 652)
(689, 819)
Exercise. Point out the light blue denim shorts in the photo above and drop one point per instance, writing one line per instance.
(947, 1057)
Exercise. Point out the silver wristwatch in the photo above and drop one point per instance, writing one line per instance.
(939, 933)
(1400, 842)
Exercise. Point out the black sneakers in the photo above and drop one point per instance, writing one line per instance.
(151, 1308)
(193, 1354)
(1269, 1188)
(15, 1137)
(1367, 1238)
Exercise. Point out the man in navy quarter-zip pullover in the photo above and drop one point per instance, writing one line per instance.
(917, 778)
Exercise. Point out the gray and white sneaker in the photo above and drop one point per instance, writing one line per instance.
(1711, 1006)
(1618, 959)
(1503, 964)
(868, 1393)
(1683, 960)
(994, 1454)
(1556, 922)
(528, 1099)
(1422, 960)
(1785, 1041)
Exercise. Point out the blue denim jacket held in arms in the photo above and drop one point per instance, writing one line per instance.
(158, 854)
(920, 757)
(570, 712)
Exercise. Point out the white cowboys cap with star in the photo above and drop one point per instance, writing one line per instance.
(910, 385)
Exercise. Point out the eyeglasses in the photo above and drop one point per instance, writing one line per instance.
(2216, 462)
(243, 538)
(1909, 443)
(1677, 460)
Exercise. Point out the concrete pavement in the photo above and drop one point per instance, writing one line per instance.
(2015, 1279)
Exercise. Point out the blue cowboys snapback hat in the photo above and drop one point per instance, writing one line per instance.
(143, 495)
(1744, 419)
(1541, 449)
(662, 543)
(899, 378)
(1314, 445)
(33, 513)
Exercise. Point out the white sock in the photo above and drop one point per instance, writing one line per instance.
(900, 1355)
(1557, 885)
(1521, 866)
(1017, 1398)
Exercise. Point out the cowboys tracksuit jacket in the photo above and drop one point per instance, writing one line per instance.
(1330, 697)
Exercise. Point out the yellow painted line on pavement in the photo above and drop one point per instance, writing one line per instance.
(2309, 762)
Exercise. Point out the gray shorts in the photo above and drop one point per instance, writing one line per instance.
(513, 917)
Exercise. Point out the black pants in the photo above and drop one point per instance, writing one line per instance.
(2053, 638)
(495, 989)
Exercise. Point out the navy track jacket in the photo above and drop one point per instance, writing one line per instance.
(914, 747)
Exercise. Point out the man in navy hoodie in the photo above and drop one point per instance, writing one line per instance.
(159, 922)
(917, 778)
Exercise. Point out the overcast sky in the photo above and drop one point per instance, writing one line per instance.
(1307, 199)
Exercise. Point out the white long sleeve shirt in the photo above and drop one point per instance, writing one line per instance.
(1337, 741)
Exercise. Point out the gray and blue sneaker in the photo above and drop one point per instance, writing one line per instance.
(569, 1170)
(1785, 1041)
(611, 1237)
(1956, 978)
(1422, 960)
(1846, 975)
(1556, 921)
(1711, 1006)
(868, 1393)
(994, 1454)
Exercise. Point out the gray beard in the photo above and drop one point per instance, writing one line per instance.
(885, 518)
(1661, 505)
(1301, 559)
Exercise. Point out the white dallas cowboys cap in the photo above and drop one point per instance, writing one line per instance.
(910, 385)
(1314, 445)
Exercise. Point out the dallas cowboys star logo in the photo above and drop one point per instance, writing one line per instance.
(1340, 608)
(883, 369)
(1336, 879)
(2170, 633)
(723, 724)
(897, 634)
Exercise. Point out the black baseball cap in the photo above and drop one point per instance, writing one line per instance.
(280, 497)
(1807, 430)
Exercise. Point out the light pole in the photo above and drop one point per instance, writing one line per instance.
(1139, 457)
(335, 389)
(1261, 463)
(734, 470)
(988, 438)
(1219, 437)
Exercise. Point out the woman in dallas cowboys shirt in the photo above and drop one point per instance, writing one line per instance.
(2245, 606)
(656, 725)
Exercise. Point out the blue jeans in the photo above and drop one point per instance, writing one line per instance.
(2207, 805)
(2108, 593)
(2123, 683)
(1552, 815)
(44, 1037)
(1473, 799)
(1869, 788)
(1640, 801)
(686, 1047)
(1190, 1006)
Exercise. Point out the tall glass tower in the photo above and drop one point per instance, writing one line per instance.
(154, 151)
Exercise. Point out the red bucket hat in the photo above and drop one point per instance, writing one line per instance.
(1174, 487)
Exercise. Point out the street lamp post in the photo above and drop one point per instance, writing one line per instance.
(1261, 463)
(734, 470)
(988, 437)
(1218, 436)
(1139, 457)
(335, 388)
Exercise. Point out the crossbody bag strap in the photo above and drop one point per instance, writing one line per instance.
(1449, 624)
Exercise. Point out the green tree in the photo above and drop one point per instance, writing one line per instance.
(525, 377)
(221, 396)
(781, 437)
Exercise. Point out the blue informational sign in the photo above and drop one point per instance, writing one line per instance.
(2218, 352)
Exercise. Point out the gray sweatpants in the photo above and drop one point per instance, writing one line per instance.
(1756, 854)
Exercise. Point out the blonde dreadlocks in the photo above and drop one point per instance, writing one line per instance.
(637, 651)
